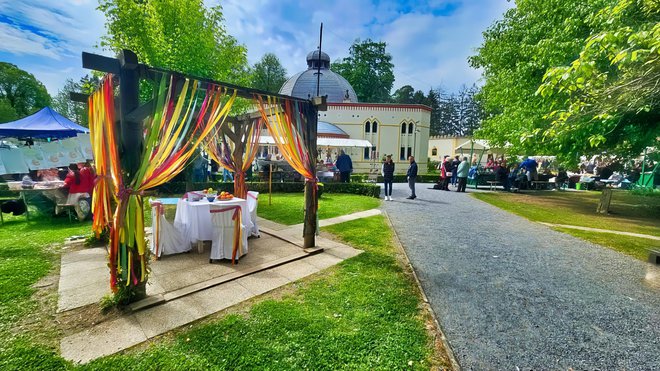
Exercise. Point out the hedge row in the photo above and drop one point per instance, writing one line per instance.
(366, 189)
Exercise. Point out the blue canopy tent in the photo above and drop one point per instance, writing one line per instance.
(45, 123)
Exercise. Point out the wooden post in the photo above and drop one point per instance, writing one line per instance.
(605, 200)
(131, 137)
(311, 197)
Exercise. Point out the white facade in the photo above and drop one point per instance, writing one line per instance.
(441, 145)
(397, 129)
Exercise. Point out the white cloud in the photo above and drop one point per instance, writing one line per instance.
(17, 41)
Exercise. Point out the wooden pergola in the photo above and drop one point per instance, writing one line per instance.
(128, 72)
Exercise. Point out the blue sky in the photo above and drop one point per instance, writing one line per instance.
(428, 40)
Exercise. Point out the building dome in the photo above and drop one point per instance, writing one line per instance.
(328, 130)
(303, 84)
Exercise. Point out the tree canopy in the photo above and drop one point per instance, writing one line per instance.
(572, 77)
(515, 54)
(369, 69)
(268, 74)
(21, 94)
(75, 111)
(181, 35)
(611, 92)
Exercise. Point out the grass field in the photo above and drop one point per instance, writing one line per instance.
(28, 252)
(629, 213)
(361, 314)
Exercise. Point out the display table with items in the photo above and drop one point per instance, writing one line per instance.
(42, 195)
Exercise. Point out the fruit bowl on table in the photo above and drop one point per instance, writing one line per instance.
(210, 198)
(225, 199)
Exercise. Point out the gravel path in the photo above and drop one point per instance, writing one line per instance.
(511, 294)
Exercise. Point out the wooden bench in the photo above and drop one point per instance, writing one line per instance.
(540, 184)
(493, 184)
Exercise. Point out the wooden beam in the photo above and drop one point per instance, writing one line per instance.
(142, 112)
(100, 63)
(78, 97)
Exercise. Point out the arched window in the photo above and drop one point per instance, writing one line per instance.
(410, 128)
(403, 128)
(374, 127)
(434, 152)
(367, 127)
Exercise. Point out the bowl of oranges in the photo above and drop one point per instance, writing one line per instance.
(225, 196)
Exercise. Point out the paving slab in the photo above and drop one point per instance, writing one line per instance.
(264, 281)
(296, 270)
(102, 340)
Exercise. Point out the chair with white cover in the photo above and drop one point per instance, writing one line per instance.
(224, 219)
(252, 202)
(166, 239)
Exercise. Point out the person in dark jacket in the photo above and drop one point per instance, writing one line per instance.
(445, 173)
(345, 166)
(454, 169)
(502, 173)
(412, 177)
(388, 176)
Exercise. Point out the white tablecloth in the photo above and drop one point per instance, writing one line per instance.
(193, 218)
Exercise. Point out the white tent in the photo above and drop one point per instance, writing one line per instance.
(326, 142)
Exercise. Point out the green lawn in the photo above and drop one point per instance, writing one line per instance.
(26, 255)
(361, 314)
(629, 213)
(287, 208)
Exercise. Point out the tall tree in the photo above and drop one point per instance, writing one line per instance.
(369, 69)
(7, 112)
(609, 97)
(515, 54)
(403, 95)
(268, 74)
(74, 110)
(21, 91)
(181, 35)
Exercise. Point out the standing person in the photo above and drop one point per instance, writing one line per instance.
(502, 173)
(412, 177)
(445, 173)
(454, 168)
(345, 166)
(462, 173)
(530, 165)
(388, 176)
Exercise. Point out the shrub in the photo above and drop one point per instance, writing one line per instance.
(366, 189)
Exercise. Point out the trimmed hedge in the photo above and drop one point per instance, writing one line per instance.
(366, 189)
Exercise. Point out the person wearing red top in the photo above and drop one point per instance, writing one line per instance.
(77, 190)
(87, 177)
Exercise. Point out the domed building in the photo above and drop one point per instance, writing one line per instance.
(303, 84)
(365, 131)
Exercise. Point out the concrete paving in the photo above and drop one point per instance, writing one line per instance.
(111, 337)
(589, 229)
(511, 294)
